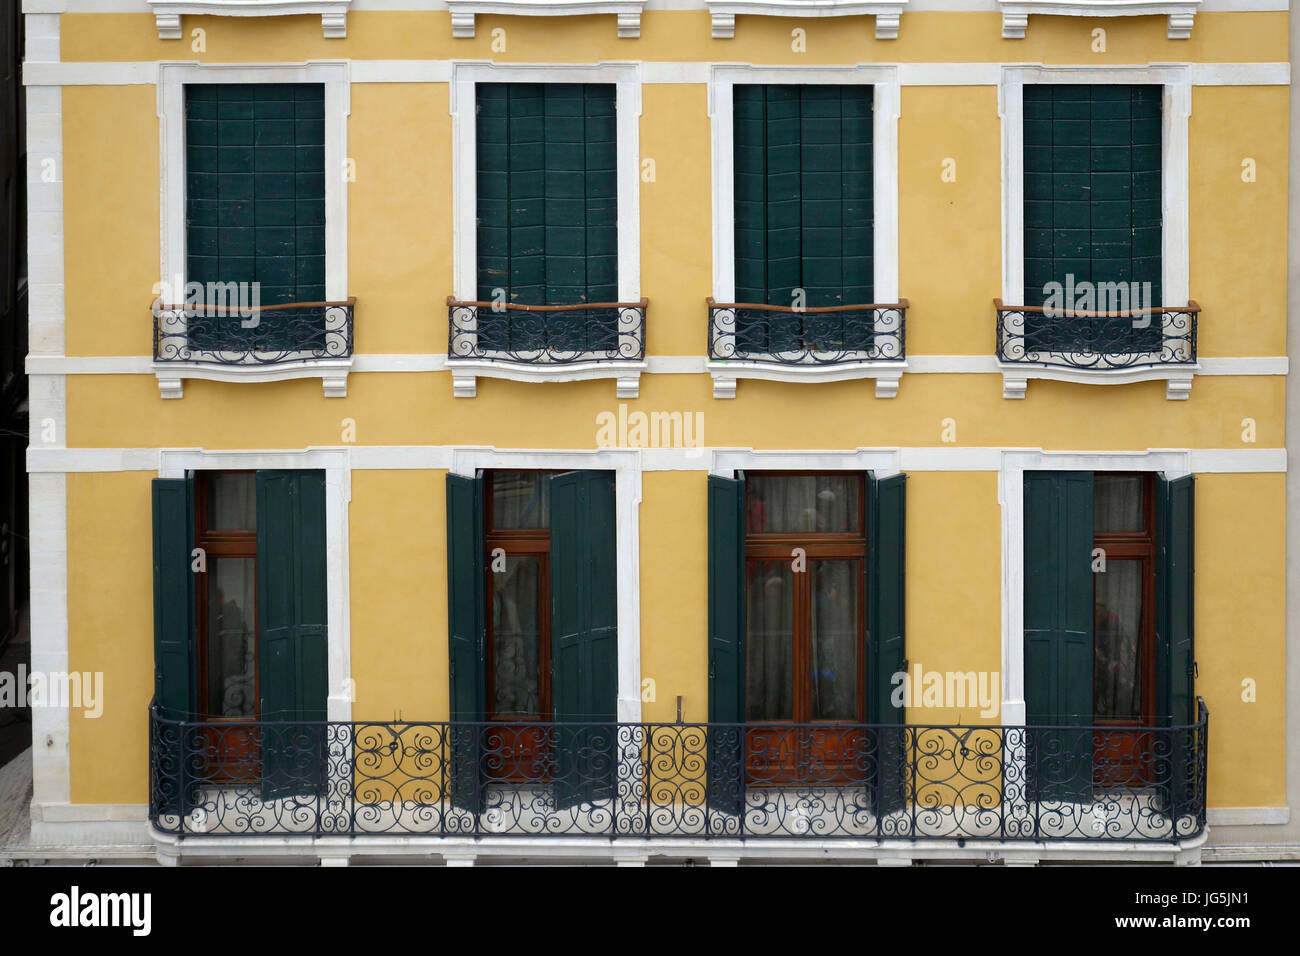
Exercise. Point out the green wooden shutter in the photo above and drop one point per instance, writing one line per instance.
(726, 777)
(175, 667)
(292, 612)
(1092, 181)
(466, 635)
(584, 634)
(1175, 639)
(1058, 624)
(803, 210)
(255, 196)
(886, 639)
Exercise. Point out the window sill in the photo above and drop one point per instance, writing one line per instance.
(464, 11)
(466, 372)
(1177, 378)
(1015, 13)
(726, 374)
(887, 14)
(333, 374)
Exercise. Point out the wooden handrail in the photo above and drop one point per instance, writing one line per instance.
(349, 302)
(453, 302)
(900, 304)
(1191, 307)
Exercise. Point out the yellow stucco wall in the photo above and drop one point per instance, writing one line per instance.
(400, 270)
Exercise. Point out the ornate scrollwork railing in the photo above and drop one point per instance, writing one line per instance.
(1097, 340)
(546, 334)
(775, 335)
(268, 335)
(610, 780)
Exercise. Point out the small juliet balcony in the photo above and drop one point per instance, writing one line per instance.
(612, 784)
(1097, 348)
(823, 344)
(546, 343)
(258, 344)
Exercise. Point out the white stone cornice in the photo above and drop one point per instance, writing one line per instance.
(167, 13)
(463, 12)
(887, 14)
(1181, 13)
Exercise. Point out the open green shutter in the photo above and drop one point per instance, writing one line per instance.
(1058, 624)
(584, 634)
(466, 634)
(292, 611)
(1175, 633)
(175, 668)
(726, 778)
(886, 648)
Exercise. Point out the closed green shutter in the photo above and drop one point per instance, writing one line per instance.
(292, 612)
(803, 210)
(1092, 186)
(726, 778)
(547, 211)
(584, 634)
(466, 613)
(1175, 642)
(1058, 624)
(886, 647)
(255, 196)
(175, 670)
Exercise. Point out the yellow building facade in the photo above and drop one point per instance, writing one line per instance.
(947, 389)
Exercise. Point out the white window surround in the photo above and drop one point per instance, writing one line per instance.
(176, 462)
(626, 77)
(626, 465)
(1181, 13)
(887, 14)
(173, 77)
(627, 11)
(885, 111)
(1176, 110)
(882, 462)
(168, 13)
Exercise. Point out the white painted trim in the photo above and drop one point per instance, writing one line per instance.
(887, 14)
(626, 465)
(1176, 81)
(1177, 378)
(175, 462)
(167, 13)
(885, 111)
(383, 6)
(172, 78)
(144, 73)
(883, 462)
(1181, 13)
(1247, 816)
(626, 78)
(464, 11)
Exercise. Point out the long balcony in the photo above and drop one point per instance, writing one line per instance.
(678, 780)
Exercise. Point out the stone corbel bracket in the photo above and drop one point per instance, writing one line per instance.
(1181, 13)
(463, 12)
(887, 14)
(168, 13)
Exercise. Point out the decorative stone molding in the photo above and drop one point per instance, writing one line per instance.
(333, 13)
(463, 12)
(465, 374)
(1178, 380)
(1181, 13)
(887, 14)
(727, 374)
(333, 374)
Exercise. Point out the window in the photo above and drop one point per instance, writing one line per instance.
(534, 632)
(802, 568)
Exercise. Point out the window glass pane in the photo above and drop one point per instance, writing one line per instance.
(232, 502)
(232, 662)
(803, 503)
(521, 499)
(1118, 504)
(834, 665)
(769, 641)
(1117, 629)
(515, 639)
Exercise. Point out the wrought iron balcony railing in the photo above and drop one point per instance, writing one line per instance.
(705, 781)
(1159, 336)
(267, 335)
(546, 334)
(775, 335)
